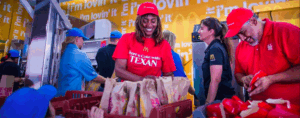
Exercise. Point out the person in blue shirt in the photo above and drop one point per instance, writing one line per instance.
(75, 66)
(28, 103)
(171, 38)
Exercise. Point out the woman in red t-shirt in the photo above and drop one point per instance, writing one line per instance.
(144, 52)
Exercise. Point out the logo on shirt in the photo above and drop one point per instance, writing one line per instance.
(270, 47)
(148, 7)
(212, 57)
(146, 49)
(230, 24)
(145, 60)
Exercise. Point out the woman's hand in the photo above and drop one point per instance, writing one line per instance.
(95, 112)
(120, 69)
(168, 74)
(99, 79)
(18, 79)
(191, 90)
(150, 77)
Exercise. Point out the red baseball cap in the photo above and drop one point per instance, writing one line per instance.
(147, 8)
(236, 19)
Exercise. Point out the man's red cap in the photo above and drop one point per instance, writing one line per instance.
(147, 8)
(236, 19)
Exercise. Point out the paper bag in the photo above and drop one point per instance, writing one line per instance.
(167, 81)
(161, 91)
(133, 102)
(119, 99)
(92, 86)
(180, 88)
(148, 97)
(114, 74)
(105, 102)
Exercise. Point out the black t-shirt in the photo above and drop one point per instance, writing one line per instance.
(216, 54)
(10, 68)
(106, 64)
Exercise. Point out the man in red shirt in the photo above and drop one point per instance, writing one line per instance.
(272, 47)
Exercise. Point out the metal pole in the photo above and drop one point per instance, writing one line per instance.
(49, 23)
(40, 49)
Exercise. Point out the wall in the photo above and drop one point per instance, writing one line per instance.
(5, 18)
(19, 20)
(283, 12)
(13, 19)
(178, 16)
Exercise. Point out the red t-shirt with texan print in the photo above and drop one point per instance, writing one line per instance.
(146, 59)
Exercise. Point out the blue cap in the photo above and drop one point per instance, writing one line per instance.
(48, 91)
(28, 103)
(115, 34)
(76, 32)
(14, 53)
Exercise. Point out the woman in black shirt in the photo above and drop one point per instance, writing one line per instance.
(10, 67)
(217, 74)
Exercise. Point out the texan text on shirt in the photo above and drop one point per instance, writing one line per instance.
(143, 59)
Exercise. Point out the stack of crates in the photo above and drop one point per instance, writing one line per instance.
(78, 108)
(59, 102)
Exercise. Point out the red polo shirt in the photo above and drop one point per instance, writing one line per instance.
(146, 59)
(278, 50)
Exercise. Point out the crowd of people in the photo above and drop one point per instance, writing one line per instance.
(272, 47)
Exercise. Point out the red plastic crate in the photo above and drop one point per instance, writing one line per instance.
(106, 115)
(2, 100)
(82, 94)
(58, 102)
(78, 108)
(6, 91)
(169, 111)
(165, 111)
